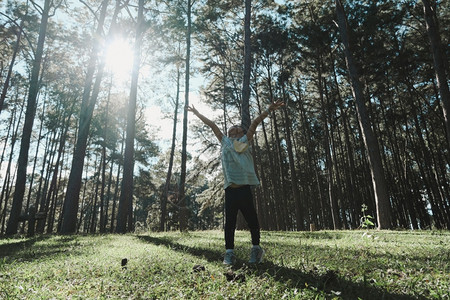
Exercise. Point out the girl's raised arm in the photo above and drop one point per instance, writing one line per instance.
(207, 121)
(252, 129)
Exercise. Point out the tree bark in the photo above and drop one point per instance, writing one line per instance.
(350, 180)
(72, 198)
(53, 190)
(19, 192)
(440, 63)
(162, 224)
(183, 215)
(103, 211)
(245, 113)
(370, 142)
(294, 180)
(327, 147)
(6, 188)
(124, 213)
(11, 65)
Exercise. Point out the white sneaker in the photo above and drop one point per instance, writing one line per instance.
(256, 255)
(229, 258)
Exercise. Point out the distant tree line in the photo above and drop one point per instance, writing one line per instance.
(365, 125)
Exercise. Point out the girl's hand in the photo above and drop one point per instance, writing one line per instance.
(192, 108)
(275, 105)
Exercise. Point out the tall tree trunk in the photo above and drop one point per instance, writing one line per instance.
(55, 200)
(41, 126)
(124, 213)
(370, 142)
(11, 65)
(116, 188)
(267, 215)
(261, 198)
(19, 192)
(327, 147)
(245, 104)
(9, 134)
(162, 224)
(245, 113)
(7, 188)
(43, 205)
(294, 180)
(85, 201)
(351, 193)
(440, 63)
(277, 176)
(53, 190)
(310, 176)
(96, 180)
(282, 197)
(276, 217)
(183, 215)
(103, 180)
(108, 194)
(422, 157)
(103, 205)
(40, 193)
(72, 198)
(4, 196)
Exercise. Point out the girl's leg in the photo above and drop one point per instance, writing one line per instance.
(249, 212)
(231, 211)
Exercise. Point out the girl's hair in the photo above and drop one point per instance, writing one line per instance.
(238, 126)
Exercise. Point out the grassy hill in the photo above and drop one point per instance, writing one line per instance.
(297, 265)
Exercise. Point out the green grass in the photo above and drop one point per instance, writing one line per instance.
(297, 265)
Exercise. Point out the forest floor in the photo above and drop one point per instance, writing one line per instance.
(357, 264)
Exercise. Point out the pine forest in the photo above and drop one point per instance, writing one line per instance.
(95, 135)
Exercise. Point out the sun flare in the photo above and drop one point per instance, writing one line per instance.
(119, 59)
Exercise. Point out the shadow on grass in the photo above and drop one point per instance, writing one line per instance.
(292, 278)
(209, 255)
(317, 235)
(26, 249)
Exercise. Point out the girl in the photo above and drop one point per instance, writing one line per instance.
(239, 174)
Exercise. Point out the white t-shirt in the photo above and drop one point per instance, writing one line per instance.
(238, 168)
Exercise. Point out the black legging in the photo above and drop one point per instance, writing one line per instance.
(240, 198)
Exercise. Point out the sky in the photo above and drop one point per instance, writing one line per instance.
(119, 62)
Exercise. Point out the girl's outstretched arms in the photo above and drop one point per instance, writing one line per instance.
(207, 121)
